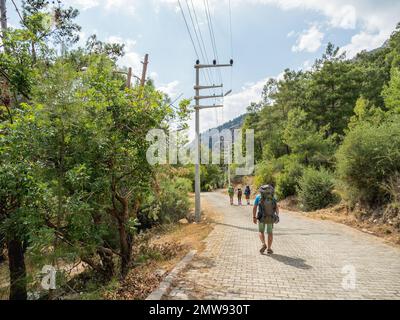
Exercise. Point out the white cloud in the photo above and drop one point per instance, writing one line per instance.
(346, 18)
(234, 105)
(171, 89)
(131, 58)
(125, 6)
(310, 40)
(85, 4)
(377, 19)
(364, 41)
(237, 103)
(154, 75)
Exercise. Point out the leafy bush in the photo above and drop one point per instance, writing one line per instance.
(212, 177)
(183, 184)
(367, 159)
(392, 210)
(168, 204)
(315, 189)
(288, 180)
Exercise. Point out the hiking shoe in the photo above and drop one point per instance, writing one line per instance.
(270, 251)
(262, 250)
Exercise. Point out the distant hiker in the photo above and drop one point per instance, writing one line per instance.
(240, 194)
(267, 215)
(247, 193)
(231, 193)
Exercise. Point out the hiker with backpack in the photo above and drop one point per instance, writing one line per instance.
(266, 212)
(247, 193)
(231, 192)
(240, 194)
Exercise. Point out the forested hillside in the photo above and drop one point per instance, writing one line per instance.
(333, 132)
(233, 124)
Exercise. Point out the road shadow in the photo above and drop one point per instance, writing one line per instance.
(290, 233)
(293, 262)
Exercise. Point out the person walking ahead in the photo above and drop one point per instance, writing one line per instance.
(247, 193)
(266, 211)
(231, 192)
(240, 194)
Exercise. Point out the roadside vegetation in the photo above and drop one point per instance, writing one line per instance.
(331, 134)
(75, 185)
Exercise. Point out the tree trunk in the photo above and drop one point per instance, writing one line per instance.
(106, 258)
(16, 260)
(2, 257)
(2, 243)
(126, 249)
(33, 52)
(125, 238)
(107, 263)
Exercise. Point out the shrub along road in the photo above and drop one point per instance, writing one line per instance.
(313, 260)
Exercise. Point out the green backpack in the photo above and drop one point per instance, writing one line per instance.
(266, 209)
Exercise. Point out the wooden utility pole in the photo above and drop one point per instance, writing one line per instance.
(144, 72)
(129, 74)
(129, 78)
(197, 107)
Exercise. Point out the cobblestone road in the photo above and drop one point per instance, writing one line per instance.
(313, 260)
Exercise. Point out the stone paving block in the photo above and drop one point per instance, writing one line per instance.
(312, 260)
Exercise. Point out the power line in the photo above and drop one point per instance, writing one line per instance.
(209, 28)
(197, 36)
(231, 36)
(19, 14)
(230, 27)
(212, 34)
(202, 41)
(188, 29)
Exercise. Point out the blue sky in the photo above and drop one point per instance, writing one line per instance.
(268, 36)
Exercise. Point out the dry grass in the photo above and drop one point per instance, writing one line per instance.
(175, 241)
(341, 214)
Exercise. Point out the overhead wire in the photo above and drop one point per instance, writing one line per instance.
(231, 45)
(202, 42)
(212, 35)
(202, 52)
(188, 30)
(214, 45)
(201, 45)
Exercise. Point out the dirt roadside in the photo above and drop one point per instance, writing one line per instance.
(341, 214)
(176, 240)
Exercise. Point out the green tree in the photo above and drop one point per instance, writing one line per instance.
(364, 111)
(122, 119)
(333, 91)
(391, 92)
(20, 195)
(306, 141)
